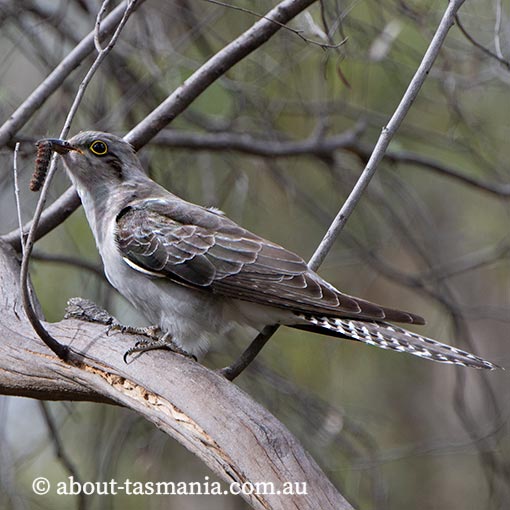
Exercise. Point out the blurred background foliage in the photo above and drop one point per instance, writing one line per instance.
(430, 234)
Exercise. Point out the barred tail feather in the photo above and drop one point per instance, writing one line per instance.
(389, 336)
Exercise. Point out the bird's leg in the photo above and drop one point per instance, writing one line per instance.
(156, 339)
(157, 342)
(84, 309)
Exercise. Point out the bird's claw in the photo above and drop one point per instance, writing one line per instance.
(154, 343)
(153, 332)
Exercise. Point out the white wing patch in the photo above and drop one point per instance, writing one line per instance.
(134, 266)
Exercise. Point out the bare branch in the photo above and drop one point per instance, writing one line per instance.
(499, 189)
(60, 451)
(203, 416)
(497, 30)
(16, 194)
(481, 47)
(321, 147)
(248, 144)
(324, 46)
(97, 28)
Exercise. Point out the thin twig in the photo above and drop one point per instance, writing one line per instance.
(97, 28)
(60, 350)
(497, 30)
(17, 196)
(232, 371)
(481, 47)
(299, 33)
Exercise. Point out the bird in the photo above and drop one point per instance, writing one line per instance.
(196, 274)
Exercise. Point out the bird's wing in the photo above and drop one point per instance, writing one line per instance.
(203, 249)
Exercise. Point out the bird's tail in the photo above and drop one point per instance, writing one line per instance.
(389, 336)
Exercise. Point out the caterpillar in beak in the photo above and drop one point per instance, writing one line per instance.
(42, 162)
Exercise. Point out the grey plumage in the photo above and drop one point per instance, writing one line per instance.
(196, 273)
(206, 250)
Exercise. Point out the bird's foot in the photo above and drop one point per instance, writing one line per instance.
(156, 339)
(84, 309)
(153, 332)
(157, 342)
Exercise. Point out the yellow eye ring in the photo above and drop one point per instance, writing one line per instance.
(98, 147)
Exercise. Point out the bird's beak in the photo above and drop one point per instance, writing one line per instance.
(60, 146)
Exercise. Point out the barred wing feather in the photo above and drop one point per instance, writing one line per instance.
(206, 250)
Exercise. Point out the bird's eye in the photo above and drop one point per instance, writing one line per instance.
(98, 148)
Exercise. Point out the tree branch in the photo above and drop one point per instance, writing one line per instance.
(60, 451)
(410, 158)
(321, 147)
(248, 144)
(59, 349)
(203, 416)
(481, 47)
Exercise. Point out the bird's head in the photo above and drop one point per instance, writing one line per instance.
(94, 158)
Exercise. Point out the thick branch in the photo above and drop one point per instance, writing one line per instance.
(196, 406)
(248, 144)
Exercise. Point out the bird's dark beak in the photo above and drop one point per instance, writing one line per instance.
(60, 146)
